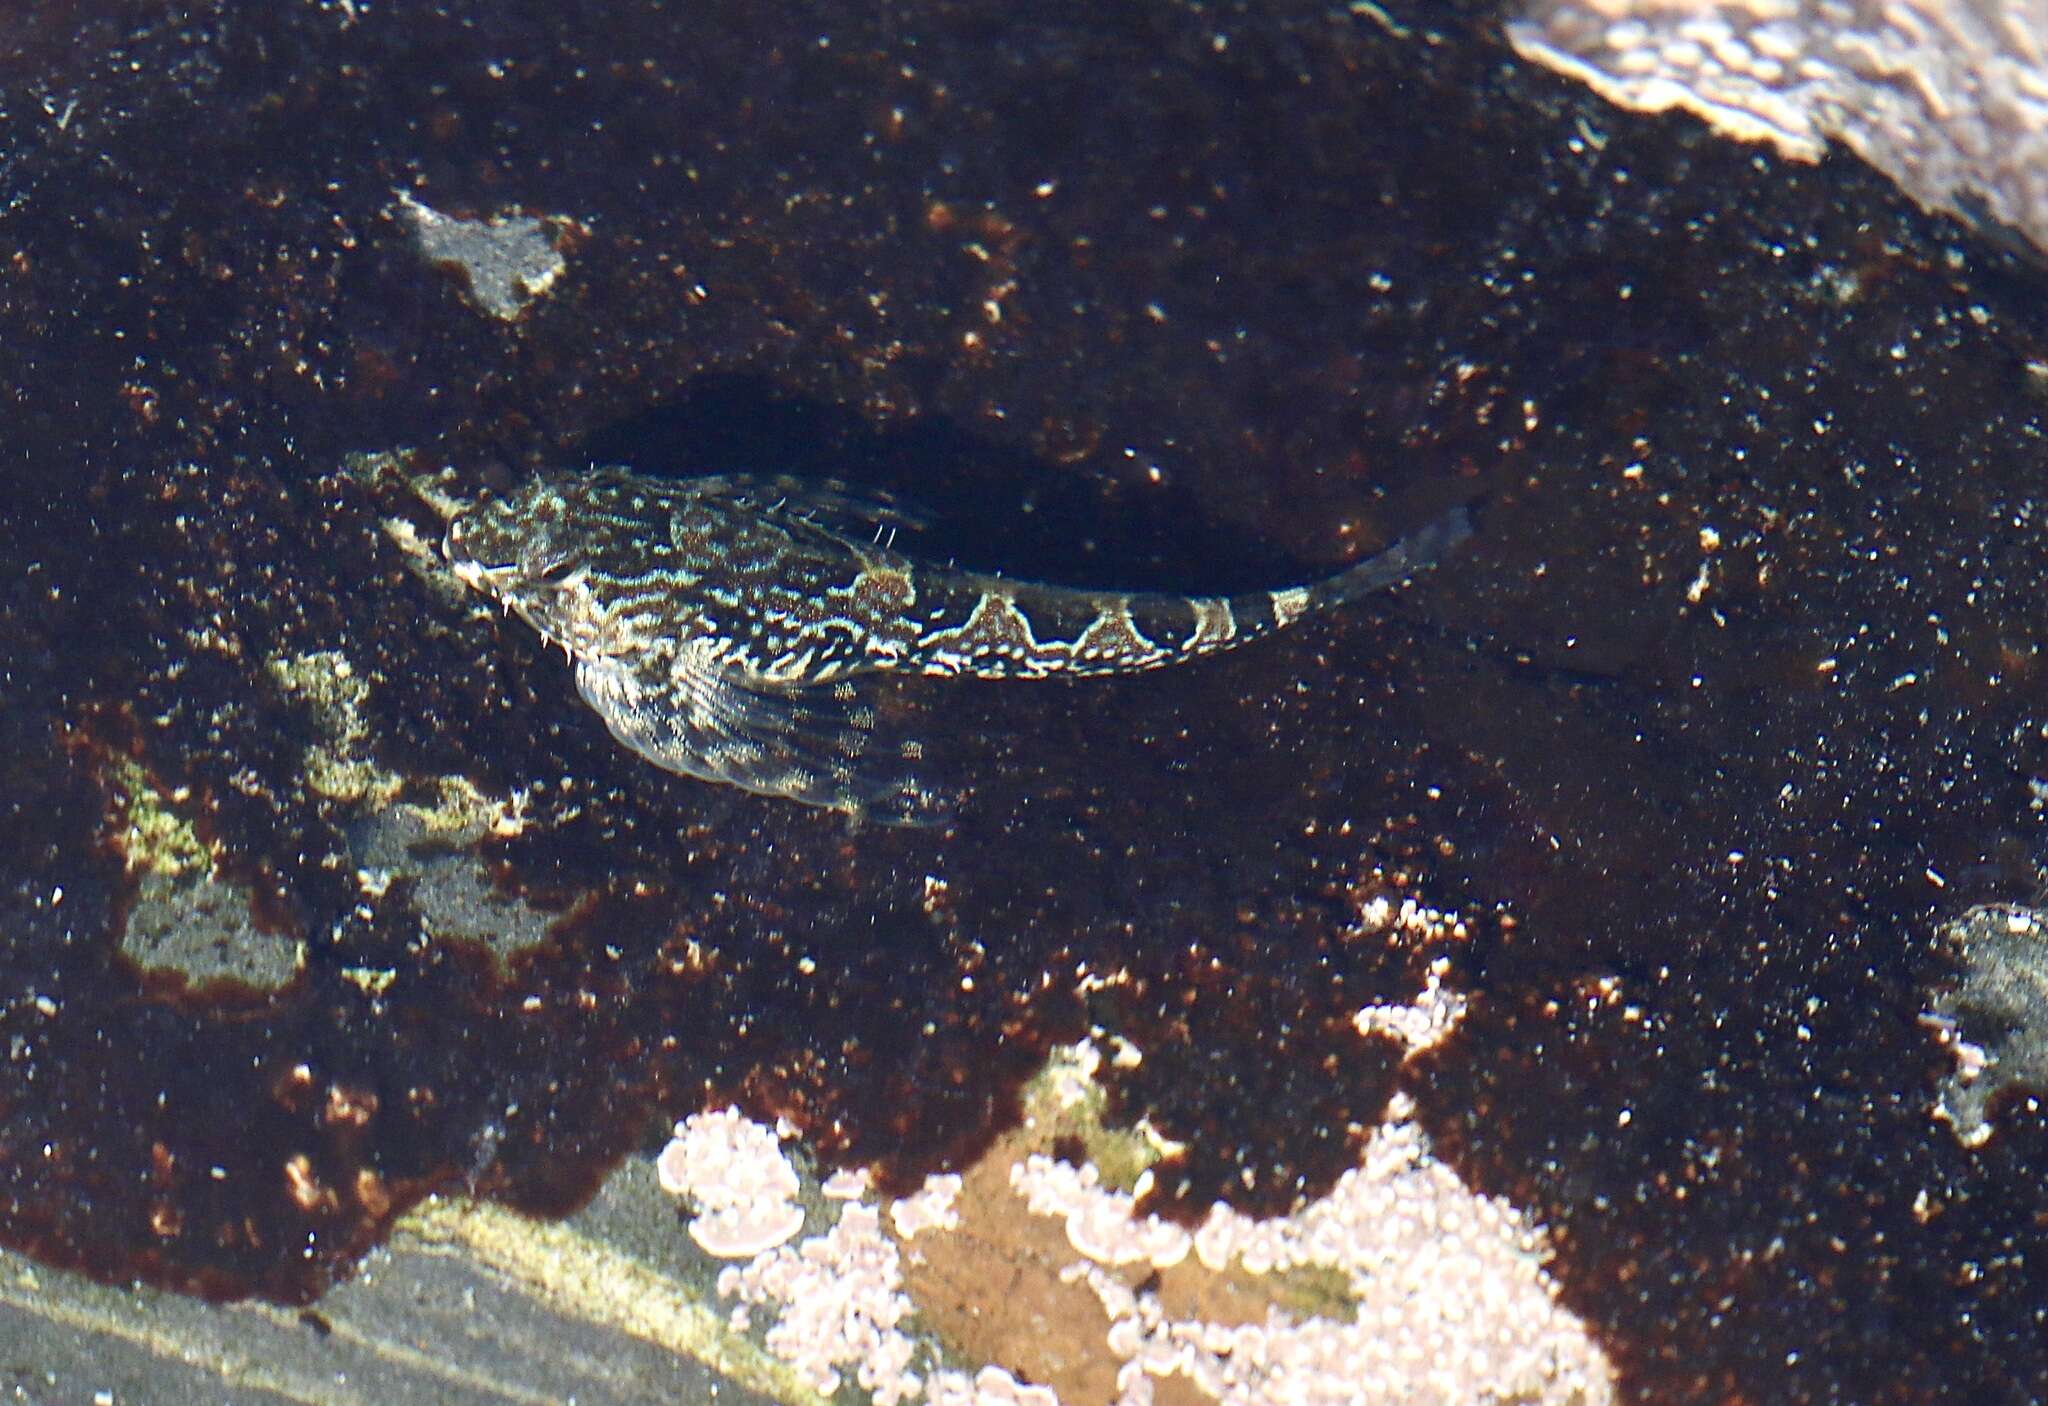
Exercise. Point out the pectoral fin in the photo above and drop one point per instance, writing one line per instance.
(823, 745)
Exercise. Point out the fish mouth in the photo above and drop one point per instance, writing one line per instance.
(471, 570)
(478, 575)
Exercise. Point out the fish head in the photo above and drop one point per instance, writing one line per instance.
(529, 551)
(502, 545)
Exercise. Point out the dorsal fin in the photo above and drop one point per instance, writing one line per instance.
(854, 513)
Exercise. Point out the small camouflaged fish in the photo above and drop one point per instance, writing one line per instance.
(726, 628)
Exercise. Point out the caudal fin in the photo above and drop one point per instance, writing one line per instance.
(1418, 551)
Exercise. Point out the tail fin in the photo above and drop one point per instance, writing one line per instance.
(1418, 551)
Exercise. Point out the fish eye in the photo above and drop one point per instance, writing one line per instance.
(550, 570)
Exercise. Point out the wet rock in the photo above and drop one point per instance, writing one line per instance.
(1994, 1017)
(1731, 697)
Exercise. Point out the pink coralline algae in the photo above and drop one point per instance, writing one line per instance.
(1451, 1303)
(1444, 1293)
(838, 1301)
(735, 1171)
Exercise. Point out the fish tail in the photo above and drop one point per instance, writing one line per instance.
(1418, 551)
(1264, 611)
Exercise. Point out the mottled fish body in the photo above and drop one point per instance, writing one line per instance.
(724, 627)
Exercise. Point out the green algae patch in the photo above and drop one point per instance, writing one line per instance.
(154, 835)
(1066, 1101)
(334, 696)
(590, 1276)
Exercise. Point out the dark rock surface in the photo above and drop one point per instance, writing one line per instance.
(1732, 700)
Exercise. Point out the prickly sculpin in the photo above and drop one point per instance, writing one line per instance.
(728, 628)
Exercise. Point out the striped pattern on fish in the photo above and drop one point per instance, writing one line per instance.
(725, 627)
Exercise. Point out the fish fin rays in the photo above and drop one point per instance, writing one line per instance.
(1419, 551)
(856, 514)
(823, 745)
